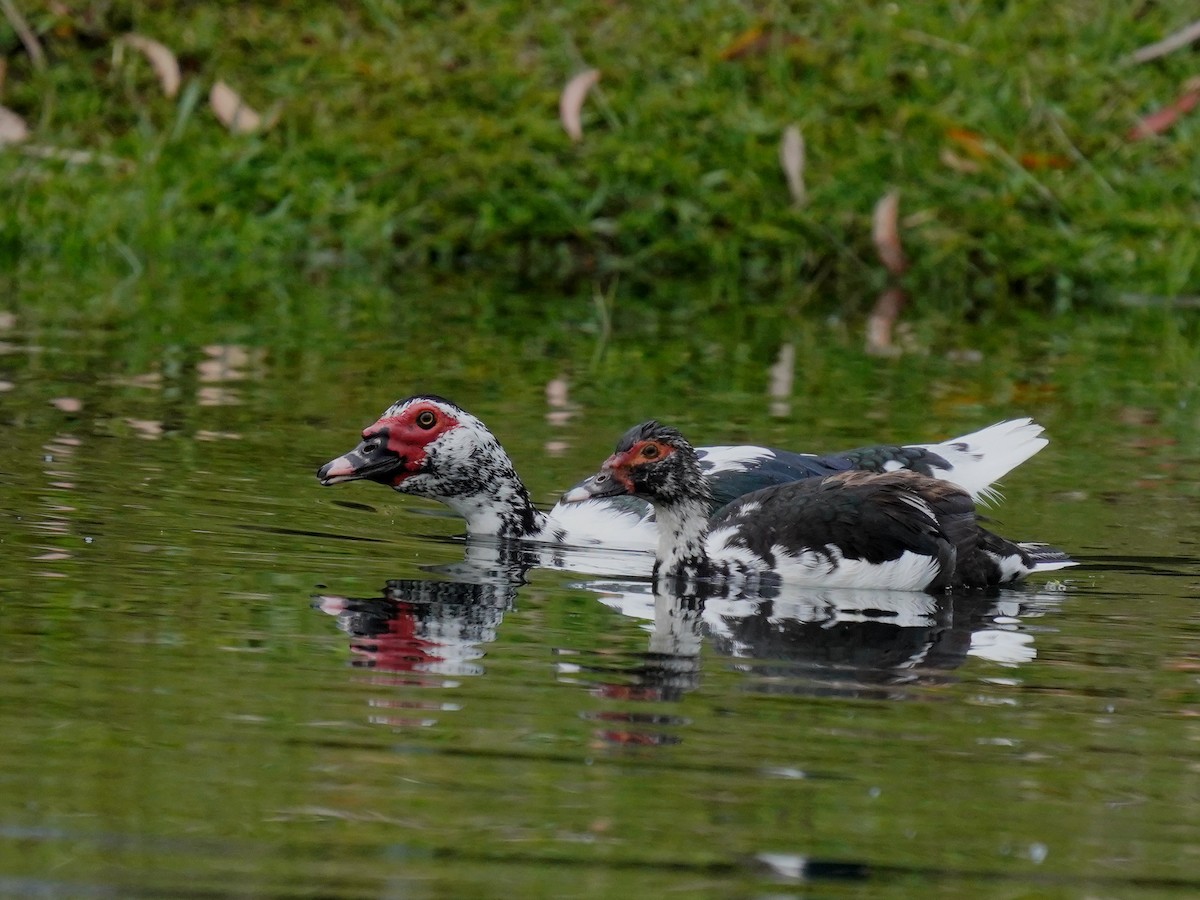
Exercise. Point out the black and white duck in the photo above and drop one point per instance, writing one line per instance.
(899, 530)
(428, 447)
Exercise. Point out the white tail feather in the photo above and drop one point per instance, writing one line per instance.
(979, 459)
(1046, 558)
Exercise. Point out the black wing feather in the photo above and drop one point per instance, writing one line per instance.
(875, 518)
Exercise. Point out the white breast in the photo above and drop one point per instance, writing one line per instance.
(593, 523)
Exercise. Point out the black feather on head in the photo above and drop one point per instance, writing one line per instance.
(436, 398)
(650, 431)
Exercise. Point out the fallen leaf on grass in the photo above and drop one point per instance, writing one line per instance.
(1037, 161)
(233, 112)
(791, 157)
(1160, 120)
(885, 231)
(977, 147)
(755, 41)
(13, 129)
(751, 40)
(952, 160)
(165, 65)
(67, 404)
(570, 104)
(971, 143)
(1169, 44)
(75, 157)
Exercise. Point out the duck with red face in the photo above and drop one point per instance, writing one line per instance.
(897, 530)
(429, 447)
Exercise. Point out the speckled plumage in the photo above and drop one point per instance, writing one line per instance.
(898, 529)
(458, 461)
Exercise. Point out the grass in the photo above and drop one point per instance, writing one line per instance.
(418, 153)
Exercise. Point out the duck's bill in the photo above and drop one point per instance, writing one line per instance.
(604, 483)
(368, 460)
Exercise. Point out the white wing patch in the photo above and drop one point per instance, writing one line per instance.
(918, 503)
(597, 523)
(721, 551)
(733, 459)
(827, 567)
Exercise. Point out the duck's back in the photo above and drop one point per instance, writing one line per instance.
(854, 529)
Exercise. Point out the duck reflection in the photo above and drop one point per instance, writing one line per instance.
(669, 669)
(871, 644)
(427, 633)
(885, 645)
(882, 645)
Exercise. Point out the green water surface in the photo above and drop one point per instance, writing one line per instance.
(177, 718)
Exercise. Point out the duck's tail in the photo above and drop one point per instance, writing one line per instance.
(1044, 558)
(977, 460)
(1009, 561)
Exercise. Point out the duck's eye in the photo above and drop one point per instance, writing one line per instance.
(426, 419)
(650, 451)
(370, 446)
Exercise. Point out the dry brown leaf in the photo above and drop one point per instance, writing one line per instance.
(756, 40)
(232, 110)
(1037, 161)
(971, 142)
(165, 65)
(570, 104)
(1159, 121)
(1169, 44)
(791, 157)
(749, 41)
(885, 232)
(12, 127)
(3, 73)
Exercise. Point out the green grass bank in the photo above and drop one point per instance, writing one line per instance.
(417, 146)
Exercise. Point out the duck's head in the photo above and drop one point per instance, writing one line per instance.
(651, 461)
(413, 446)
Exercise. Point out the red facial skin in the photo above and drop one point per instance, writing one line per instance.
(409, 433)
(641, 453)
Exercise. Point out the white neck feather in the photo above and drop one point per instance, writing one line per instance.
(682, 528)
(474, 476)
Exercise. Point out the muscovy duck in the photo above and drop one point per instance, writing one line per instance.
(898, 530)
(429, 447)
